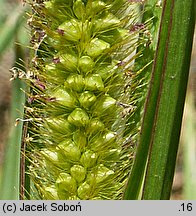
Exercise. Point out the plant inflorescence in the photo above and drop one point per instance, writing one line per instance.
(85, 97)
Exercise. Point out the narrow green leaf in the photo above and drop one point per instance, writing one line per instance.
(166, 96)
(152, 12)
(10, 27)
(11, 168)
(10, 185)
(161, 126)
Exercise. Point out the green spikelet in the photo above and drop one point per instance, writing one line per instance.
(84, 96)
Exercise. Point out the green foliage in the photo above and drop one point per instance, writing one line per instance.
(10, 179)
(10, 184)
(164, 107)
(178, 22)
(10, 27)
(88, 80)
(152, 12)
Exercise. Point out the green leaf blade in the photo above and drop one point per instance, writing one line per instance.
(11, 168)
(164, 106)
(175, 49)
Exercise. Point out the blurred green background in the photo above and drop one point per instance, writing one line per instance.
(13, 31)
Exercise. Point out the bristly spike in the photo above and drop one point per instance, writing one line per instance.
(84, 91)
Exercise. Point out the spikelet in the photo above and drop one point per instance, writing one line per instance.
(84, 97)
